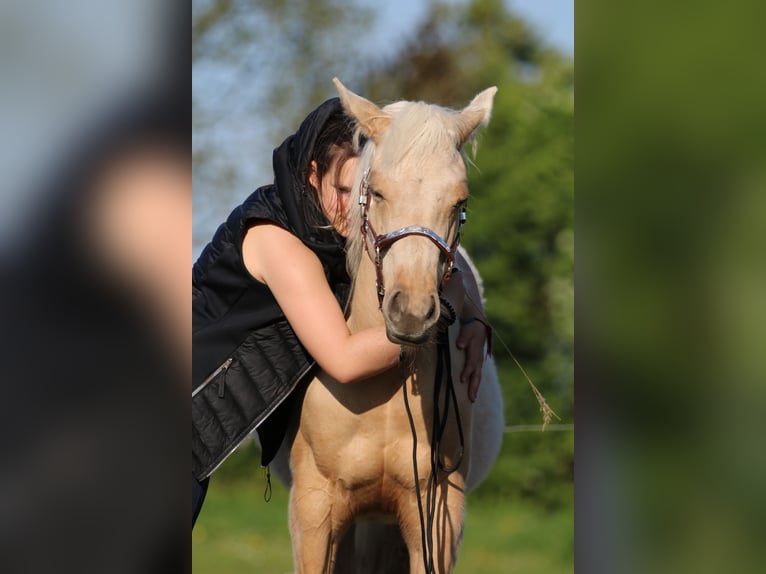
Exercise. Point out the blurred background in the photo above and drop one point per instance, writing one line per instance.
(671, 287)
(95, 328)
(259, 68)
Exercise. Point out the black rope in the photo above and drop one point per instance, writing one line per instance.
(267, 492)
(438, 425)
(403, 368)
(445, 359)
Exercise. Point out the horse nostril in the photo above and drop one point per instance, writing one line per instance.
(396, 302)
(432, 310)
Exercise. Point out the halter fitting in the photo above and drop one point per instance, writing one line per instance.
(384, 241)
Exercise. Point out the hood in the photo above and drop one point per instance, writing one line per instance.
(291, 161)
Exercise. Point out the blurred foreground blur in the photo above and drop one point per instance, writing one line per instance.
(94, 299)
(671, 306)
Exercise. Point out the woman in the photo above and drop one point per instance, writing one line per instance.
(269, 292)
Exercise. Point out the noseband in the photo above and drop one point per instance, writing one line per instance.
(382, 242)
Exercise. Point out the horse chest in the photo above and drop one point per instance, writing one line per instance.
(358, 433)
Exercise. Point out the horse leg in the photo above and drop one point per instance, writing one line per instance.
(450, 518)
(314, 529)
(447, 532)
(317, 517)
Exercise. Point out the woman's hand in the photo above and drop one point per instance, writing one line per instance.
(472, 338)
(473, 334)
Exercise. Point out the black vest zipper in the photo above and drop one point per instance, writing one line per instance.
(223, 367)
(222, 383)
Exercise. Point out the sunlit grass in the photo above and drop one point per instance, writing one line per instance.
(516, 537)
(238, 531)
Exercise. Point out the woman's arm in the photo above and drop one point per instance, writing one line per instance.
(294, 275)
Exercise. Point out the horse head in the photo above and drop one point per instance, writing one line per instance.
(413, 192)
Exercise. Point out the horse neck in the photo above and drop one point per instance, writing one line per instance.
(364, 311)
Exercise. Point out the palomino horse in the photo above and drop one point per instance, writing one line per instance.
(352, 458)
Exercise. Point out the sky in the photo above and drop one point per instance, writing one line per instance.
(553, 20)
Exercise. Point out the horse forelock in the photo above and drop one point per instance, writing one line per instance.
(418, 132)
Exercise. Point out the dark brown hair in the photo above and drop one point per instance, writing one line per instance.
(334, 142)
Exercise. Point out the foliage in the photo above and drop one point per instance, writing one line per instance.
(533, 467)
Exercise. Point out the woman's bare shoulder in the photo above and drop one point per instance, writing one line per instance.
(266, 246)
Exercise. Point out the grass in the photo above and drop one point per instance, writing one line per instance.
(516, 537)
(239, 532)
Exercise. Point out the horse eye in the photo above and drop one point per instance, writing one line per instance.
(377, 195)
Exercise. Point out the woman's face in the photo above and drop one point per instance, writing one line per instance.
(334, 194)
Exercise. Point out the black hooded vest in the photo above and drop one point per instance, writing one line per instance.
(247, 361)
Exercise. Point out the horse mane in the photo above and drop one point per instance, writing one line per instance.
(415, 127)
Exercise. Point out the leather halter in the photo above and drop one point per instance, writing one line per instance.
(384, 241)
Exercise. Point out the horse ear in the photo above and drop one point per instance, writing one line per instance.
(372, 120)
(475, 114)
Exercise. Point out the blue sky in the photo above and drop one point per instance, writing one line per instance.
(553, 20)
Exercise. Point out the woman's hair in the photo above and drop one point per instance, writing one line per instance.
(334, 142)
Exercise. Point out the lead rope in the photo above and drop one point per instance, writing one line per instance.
(438, 425)
(403, 370)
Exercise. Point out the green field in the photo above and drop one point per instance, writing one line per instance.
(517, 522)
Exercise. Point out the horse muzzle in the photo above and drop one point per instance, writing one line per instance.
(409, 318)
